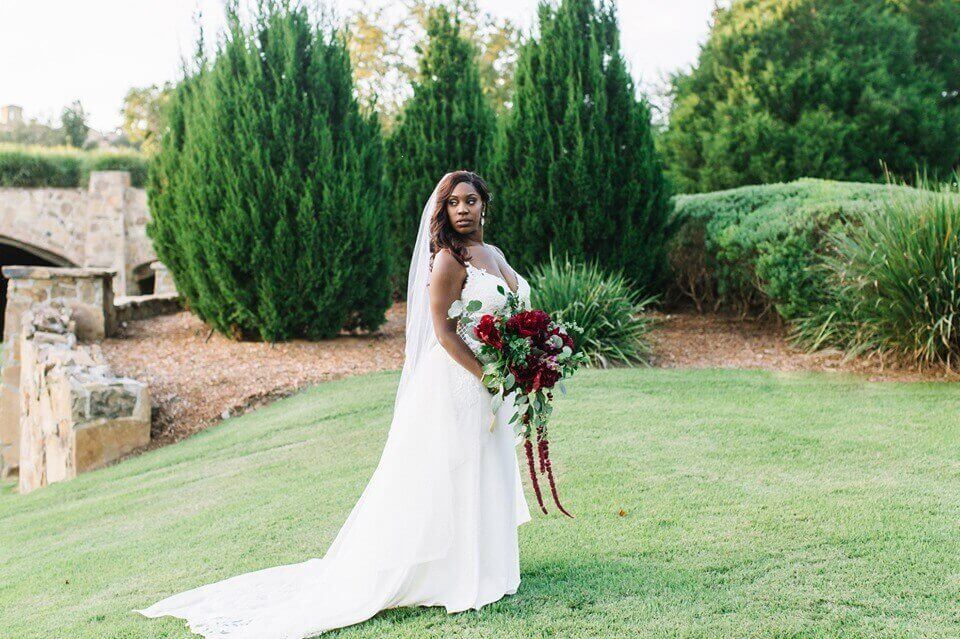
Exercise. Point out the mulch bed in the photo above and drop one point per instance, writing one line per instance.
(198, 377)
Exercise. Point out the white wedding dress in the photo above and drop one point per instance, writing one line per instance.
(435, 526)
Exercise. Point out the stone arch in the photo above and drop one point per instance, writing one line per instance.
(50, 257)
(144, 278)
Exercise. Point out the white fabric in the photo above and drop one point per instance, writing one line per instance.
(420, 336)
(436, 525)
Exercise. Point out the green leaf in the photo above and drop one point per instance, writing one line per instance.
(473, 306)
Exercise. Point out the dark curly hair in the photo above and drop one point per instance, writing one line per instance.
(442, 233)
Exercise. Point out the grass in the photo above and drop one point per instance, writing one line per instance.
(757, 505)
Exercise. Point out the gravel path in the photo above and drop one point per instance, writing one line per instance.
(197, 377)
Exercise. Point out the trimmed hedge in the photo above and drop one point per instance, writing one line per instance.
(760, 249)
(28, 166)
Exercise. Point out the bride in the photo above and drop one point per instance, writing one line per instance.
(437, 523)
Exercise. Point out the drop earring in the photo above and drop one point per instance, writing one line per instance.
(482, 217)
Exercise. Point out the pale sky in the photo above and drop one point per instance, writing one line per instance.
(55, 51)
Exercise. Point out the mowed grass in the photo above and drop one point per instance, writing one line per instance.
(756, 505)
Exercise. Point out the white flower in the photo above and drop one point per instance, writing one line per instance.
(456, 309)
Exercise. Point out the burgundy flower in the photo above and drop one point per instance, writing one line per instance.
(545, 378)
(487, 332)
(536, 373)
(528, 323)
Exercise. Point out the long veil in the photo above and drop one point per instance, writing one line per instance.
(420, 336)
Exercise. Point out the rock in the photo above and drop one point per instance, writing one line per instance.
(77, 415)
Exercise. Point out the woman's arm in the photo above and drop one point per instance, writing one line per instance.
(446, 282)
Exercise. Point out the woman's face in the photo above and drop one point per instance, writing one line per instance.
(464, 207)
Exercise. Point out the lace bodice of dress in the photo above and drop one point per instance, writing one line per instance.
(482, 285)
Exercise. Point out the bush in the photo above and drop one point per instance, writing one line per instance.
(31, 166)
(28, 167)
(135, 163)
(575, 166)
(610, 313)
(267, 192)
(894, 281)
(760, 249)
(817, 88)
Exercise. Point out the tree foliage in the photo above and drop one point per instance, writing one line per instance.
(267, 191)
(575, 166)
(448, 124)
(821, 88)
(74, 121)
(386, 65)
(143, 115)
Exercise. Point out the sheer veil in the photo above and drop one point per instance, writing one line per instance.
(420, 336)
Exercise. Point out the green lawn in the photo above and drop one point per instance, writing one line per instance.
(757, 505)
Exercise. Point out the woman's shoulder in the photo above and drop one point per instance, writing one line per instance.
(497, 249)
(446, 264)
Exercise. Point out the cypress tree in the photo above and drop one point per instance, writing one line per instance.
(446, 125)
(575, 166)
(265, 194)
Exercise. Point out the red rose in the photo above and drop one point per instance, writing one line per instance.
(487, 332)
(528, 323)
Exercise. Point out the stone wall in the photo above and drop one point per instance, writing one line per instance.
(87, 291)
(75, 415)
(103, 225)
(136, 307)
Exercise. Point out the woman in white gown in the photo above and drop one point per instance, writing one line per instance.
(437, 523)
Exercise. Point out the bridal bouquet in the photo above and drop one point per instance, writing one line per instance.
(528, 352)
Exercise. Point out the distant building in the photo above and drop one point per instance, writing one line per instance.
(10, 115)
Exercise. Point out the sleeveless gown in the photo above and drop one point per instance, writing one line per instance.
(436, 524)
